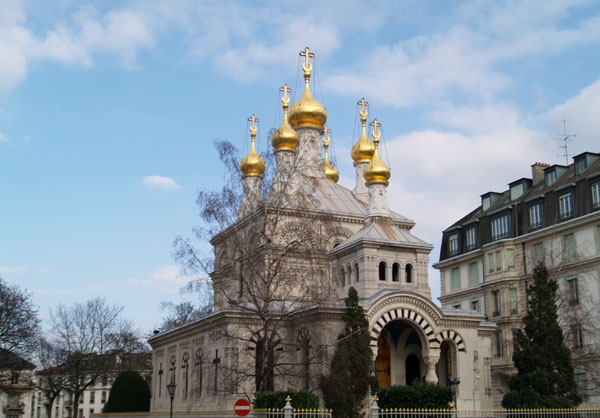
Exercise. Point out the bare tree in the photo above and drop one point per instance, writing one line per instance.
(51, 379)
(19, 323)
(268, 264)
(184, 312)
(87, 337)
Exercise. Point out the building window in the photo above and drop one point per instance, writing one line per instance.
(499, 344)
(569, 246)
(498, 260)
(382, 269)
(576, 335)
(573, 291)
(471, 238)
(538, 253)
(510, 258)
(453, 244)
(455, 278)
(103, 397)
(408, 271)
(596, 195)
(356, 273)
(92, 397)
(491, 262)
(500, 227)
(551, 177)
(535, 216)
(496, 303)
(14, 378)
(395, 272)
(456, 305)
(580, 381)
(473, 274)
(565, 206)
(475, 305)
(514, 302)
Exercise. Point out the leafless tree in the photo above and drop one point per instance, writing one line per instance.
(19, 323)
(184, 312)
(88, 337)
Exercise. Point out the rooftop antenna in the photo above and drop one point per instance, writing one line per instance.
(566, 138)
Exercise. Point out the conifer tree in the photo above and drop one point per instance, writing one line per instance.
(350, 377)
(129, 393)
(545, 377)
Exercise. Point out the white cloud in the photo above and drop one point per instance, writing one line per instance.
(160, 182)
(13, 269)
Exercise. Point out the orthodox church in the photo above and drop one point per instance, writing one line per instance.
(283, 268)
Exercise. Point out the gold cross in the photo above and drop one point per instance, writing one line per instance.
(375, 124)
(285, 89)
(363, 109)
(307, 66)
(253, 119)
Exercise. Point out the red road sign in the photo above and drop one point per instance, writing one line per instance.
(242, 407)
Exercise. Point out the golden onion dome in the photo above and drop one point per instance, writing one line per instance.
(285, 138)
(376, 171)
(363, 149)
(252, 165)
(307, 112)
(330, 171)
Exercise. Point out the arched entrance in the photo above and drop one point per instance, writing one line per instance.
(399, 354)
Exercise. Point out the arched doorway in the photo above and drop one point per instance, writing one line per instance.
(399, 354)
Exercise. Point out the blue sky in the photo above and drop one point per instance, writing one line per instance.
(108, 113)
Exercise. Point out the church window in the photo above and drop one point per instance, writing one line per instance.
(409, 273)
(349, 276)
(382, 269)
(342, 277)
(395, 272)
(356, 273)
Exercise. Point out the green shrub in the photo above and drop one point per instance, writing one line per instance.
(419, 395)
(129, 393)
(302, 399)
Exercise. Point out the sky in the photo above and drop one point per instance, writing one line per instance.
(109, 111)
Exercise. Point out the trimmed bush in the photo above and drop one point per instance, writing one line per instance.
(302, 399)
(129, 393)
(419, 395)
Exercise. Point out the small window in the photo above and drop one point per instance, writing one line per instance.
(356, 273)
(473, 274)
(92, 396)
(551, 177)
(498, 260)
(538, 253)
(456, 306)
(475, 305)
(14, 378)
(500, 227)
(596, 195)
(408, 273)
(576, 335)
(573, 291)
(103, 398)
(499, 344)
(382, 269)
(510, 258)
(455, 278)
(471, 238)
(565, 206)
(496, 303)
(535, 216)
(491, 263)
(395, 272)
(569, 246)
(453, 244)
(514, 301)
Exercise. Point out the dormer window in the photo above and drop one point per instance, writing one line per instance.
(536, 215)
(453, 244)
(471, 238)
(550, 177)
(565, 206)
(596, 195)
(500, 227)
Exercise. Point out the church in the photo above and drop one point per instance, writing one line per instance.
(283, 268)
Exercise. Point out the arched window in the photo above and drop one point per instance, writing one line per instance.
(382, 269)
(356, 274)
(349, 276)
(342, 280)
(409, 273)
(395, 272)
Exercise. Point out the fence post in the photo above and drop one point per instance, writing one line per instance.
(287, 409)
(375, 407)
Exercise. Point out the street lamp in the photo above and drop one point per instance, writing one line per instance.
(453, 382)
(171, 389)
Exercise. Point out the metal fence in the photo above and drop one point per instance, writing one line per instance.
(499, 413)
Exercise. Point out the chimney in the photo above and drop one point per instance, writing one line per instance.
(537, 172)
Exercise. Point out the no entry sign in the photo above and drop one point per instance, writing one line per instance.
(242, 407)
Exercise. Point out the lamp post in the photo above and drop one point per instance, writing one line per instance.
(171, 389)
(453, 382)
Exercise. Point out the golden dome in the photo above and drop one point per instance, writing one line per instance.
(330, 171)
(376, 171)
(252, 165)
(307, 112)
(285, 138)
(363, 149)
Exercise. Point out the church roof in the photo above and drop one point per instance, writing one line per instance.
(384, 233)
